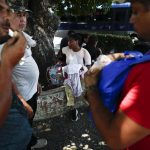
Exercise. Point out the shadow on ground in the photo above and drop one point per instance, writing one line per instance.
(64, 134)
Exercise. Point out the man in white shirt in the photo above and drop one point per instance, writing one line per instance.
(26, 72)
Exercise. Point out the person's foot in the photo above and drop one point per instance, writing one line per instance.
(74, 116)
(40, 144)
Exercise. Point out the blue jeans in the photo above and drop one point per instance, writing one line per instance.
(16, 131)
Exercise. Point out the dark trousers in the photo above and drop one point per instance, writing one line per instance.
(33, 103)
(16, 131)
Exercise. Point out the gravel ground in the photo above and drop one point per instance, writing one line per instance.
(64, 134)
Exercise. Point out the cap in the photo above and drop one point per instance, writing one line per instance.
(18, 7)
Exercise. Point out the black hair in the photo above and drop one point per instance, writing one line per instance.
(92, 40)
(70, 32)
(76, 37)
(86, 35)
(142, 47)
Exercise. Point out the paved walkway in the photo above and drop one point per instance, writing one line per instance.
(63, 134)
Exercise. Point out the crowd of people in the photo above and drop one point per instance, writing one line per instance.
(127, 128)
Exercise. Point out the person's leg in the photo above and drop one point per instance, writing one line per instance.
(35, 142)
(74, 114)
(33, 103)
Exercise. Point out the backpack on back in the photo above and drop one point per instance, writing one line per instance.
(112, 78)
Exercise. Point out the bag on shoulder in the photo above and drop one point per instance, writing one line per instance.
(113, 76)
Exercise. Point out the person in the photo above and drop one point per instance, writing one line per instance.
(78, 57)
(129, 127)
(141, 46)
(139, 43)
(85, 38)
(15, 130)
(92, 48)
(74, 53)
(26, 72)
(64, 41)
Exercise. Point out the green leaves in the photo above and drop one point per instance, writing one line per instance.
(79, 7)
(120, 43)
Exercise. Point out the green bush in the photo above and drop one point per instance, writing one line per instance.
(108, 42)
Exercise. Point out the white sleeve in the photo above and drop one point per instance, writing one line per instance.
(87, 57)
(65, 50)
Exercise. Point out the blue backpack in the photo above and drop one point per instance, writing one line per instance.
(113, 76)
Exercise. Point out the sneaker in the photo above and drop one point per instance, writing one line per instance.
(74, 115)
(40, 144)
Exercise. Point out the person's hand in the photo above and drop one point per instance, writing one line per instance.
(13, 50)
(28, 108)
(39, 89)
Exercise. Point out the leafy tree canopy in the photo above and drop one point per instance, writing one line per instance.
(73, 7)
(79, 7)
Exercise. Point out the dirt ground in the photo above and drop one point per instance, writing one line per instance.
(64, 134)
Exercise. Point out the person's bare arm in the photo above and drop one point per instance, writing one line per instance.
(116, 56)
(11, 54)
(118, 130)
(5, 90)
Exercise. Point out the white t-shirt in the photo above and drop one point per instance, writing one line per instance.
(81, 57)
(26, 73)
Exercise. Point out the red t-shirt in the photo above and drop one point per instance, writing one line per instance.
(136, 100)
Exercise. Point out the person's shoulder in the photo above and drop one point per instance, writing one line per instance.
(83, 49)
(141, 69)
(143, 65)
(65, 49)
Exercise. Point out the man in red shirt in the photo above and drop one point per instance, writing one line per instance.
(129, 127)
